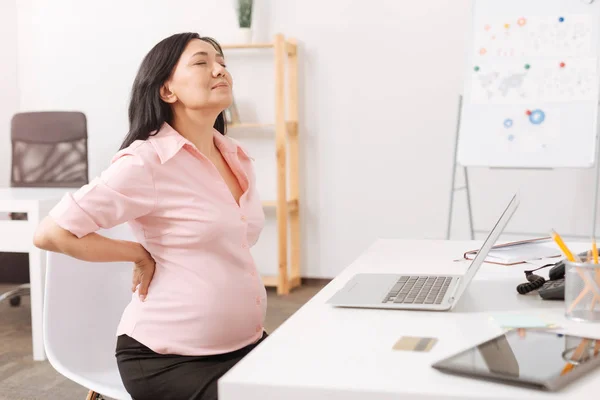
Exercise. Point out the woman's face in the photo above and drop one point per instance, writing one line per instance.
(200, 80)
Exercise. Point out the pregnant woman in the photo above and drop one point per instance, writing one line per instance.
(189, 194)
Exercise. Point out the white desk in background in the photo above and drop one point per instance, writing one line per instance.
(326, 353)
(17, 237)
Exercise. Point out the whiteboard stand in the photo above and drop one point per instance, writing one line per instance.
(454, 189)
(597, 183)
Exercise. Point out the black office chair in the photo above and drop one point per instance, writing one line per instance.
(50, 150)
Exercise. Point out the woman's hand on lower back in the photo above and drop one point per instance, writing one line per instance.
(97, 248)
(143, 272)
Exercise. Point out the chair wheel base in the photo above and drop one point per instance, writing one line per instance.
(15, 301)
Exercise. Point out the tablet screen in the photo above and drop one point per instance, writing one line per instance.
(532, 356)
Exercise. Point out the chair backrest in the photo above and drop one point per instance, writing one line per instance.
(49, 149)
(82, 307)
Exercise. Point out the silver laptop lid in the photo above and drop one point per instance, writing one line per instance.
(487, 245)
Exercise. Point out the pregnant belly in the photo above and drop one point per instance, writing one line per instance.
(199, 315)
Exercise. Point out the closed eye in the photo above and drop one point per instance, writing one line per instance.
(204, 63)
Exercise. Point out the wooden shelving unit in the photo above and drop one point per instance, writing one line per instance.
(286, 145)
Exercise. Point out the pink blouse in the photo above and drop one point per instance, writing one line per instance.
(206, 296)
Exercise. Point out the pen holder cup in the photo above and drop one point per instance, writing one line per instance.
(582, 291)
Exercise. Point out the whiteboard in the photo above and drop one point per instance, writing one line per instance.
(530, 95)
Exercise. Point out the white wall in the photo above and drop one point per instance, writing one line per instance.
(9, 93)
(379, 86)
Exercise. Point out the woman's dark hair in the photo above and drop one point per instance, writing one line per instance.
(147, 111)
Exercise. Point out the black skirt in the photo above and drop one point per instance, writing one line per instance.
(148, 375)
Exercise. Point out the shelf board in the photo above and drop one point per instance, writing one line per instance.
(292, 204)
(290, 126)
(271, 281)
(233, 46)
(290, 46)
(252, 125)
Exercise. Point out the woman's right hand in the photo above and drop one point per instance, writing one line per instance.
(143, 273)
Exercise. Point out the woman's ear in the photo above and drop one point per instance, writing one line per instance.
(167, 95)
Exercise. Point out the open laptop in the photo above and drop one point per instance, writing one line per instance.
(417, 291)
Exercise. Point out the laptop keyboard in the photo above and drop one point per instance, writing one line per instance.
(419, 290)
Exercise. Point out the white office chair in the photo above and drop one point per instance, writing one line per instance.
(82, 308)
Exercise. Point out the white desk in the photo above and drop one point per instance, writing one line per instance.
(326, 353)
(17, 237)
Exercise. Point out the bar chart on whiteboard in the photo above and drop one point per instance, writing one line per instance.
(531, 87)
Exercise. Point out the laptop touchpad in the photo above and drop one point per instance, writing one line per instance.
(365, 288)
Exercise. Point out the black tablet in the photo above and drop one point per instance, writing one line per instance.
(538, 359)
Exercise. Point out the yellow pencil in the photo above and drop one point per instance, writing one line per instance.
(562, 246)
(566, 369)
(595, 250)
(577, 355)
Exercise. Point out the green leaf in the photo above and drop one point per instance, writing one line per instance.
(244, 12)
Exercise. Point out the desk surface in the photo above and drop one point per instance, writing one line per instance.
(17, 236)
(322, 352)
(27, 199)
(32, 193)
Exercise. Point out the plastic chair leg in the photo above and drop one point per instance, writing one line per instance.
(94, 396)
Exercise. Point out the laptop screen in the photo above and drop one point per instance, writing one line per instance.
(487, 245)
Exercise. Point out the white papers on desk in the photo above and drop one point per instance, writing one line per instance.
(519, 252)
(540, 262)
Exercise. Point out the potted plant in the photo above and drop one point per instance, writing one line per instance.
(244, 14)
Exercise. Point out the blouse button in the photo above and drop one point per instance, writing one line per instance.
(258, 301)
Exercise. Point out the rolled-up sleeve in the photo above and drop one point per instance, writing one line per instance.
(123, 192)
